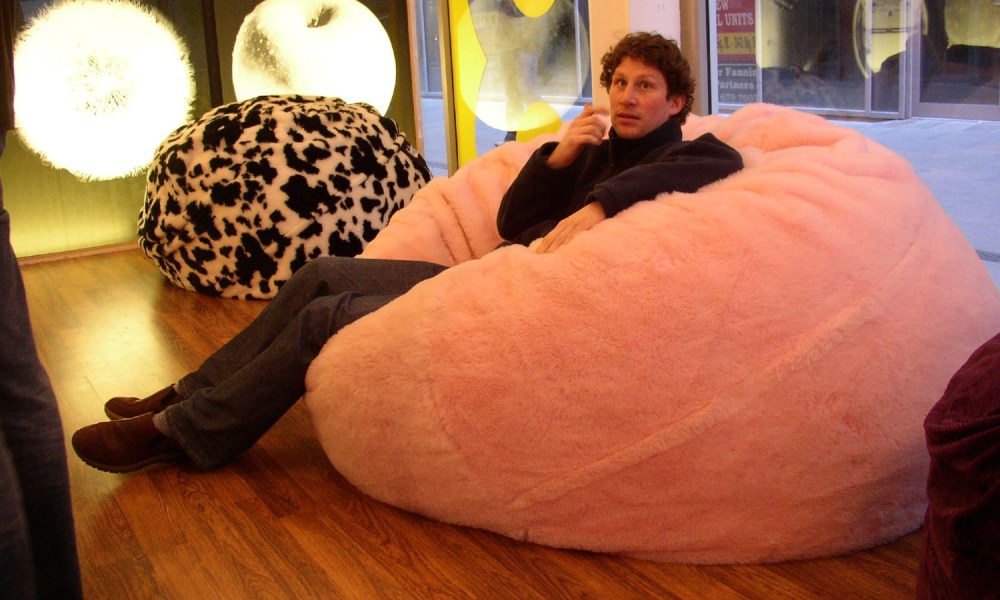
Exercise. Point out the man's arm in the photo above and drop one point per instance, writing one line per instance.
(534, 196)
(684, 168)
(540, 193)
(687, 167)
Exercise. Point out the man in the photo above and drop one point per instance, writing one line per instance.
(214, 414)
(38, 556)
(589, 178)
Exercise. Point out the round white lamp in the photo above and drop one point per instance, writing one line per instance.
(100, 83)
(314, 48)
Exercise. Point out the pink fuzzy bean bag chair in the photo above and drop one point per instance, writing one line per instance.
(735, 375)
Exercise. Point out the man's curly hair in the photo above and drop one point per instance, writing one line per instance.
(658, 52)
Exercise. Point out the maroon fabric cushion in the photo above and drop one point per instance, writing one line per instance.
(960, 557)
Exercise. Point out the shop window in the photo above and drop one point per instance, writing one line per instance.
(828, 57)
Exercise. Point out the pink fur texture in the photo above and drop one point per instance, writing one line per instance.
(736, 375)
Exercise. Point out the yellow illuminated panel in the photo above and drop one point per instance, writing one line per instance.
(512, 70)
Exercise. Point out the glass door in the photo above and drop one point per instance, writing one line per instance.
(957, 74)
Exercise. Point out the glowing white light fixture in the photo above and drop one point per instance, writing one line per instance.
(100, 83)
(314, 48)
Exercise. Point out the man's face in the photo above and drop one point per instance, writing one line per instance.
(640, 100)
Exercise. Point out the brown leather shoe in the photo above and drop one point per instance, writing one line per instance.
(125, 445)
(123, 407)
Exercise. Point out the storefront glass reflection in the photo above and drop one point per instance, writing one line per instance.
(960, 58)
(850, 58)
(823, 54)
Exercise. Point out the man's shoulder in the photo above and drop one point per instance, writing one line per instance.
(706, 142)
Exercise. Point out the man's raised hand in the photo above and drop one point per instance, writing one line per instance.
(587, 129)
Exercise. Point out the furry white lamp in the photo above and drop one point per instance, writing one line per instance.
(100, 83)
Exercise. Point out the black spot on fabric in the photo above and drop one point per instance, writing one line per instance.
(228, 109)
(253, 191)
(351, 246)
(417, 162)
(220, 161)
(267, 132)
(191, 262)
(251, 259)
(402, 173)
(176, 166)
(170, 268)
(370, 204)
(221, 133)
(229, 227)
(364, 160)
(376, 143)
(370, 232)
(314, 153)
(203, 255)
(195, 282)
(312, 124)
(252, 118)
(152, 210)
(296, 163)
(148, 225)
(300, 259)
(201, 219)
(340, 183)
(225, 194)
(312, 230)
(271, 236)
(156, 177)
(389, 125)
(185, 143)
(307, 201)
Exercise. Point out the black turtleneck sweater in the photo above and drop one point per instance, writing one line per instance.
(617, 173)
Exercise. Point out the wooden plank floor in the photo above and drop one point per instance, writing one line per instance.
(281, 522)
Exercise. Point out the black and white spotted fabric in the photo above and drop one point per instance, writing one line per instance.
(239, 199)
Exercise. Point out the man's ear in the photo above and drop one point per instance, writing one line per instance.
(675, 103)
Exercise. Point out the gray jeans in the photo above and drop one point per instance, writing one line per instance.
(38, 556)
(242, 389)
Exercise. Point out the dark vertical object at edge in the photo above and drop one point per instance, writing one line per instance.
(212, 51)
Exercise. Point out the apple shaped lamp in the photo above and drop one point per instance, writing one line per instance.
(314, 48)
(100, 83)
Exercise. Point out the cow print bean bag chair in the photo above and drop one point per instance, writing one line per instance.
(239, 199)
(735, 375)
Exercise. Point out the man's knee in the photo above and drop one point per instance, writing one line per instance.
(317, 273)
